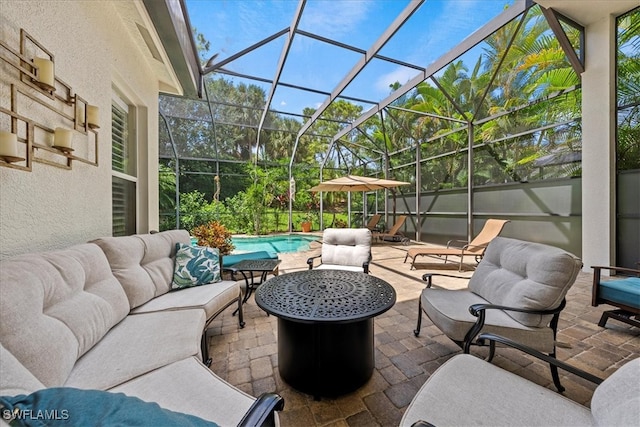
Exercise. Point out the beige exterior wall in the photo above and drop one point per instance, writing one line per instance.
(50, 207)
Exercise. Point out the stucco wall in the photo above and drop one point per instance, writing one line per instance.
(50, 207)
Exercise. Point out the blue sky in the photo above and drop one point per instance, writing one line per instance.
(435, 28)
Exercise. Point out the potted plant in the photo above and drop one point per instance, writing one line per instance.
(307, 221)
(215, 235)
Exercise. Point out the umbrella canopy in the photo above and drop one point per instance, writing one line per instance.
(357, 183)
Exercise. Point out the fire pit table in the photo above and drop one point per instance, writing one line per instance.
(325, 327)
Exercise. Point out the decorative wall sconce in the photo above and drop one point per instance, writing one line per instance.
(46, 77)
(9, 147)
(93, 114)
(39, 74)
(62, 140)
(15, 145)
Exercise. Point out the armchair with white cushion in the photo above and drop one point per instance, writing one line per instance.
(518, 291)
(344, 249)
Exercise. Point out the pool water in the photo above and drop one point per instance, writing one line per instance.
(275, 244)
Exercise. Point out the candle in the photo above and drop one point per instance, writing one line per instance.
(8, 144)
(62, 138)
(92, 115)
(45, 71)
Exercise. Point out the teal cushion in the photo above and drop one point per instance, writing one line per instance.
(231, 260)
(75, 407)
(624, 291)
(195, 266)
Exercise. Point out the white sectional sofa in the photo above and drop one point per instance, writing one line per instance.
(101, 316)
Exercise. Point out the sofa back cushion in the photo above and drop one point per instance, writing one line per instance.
(55, 306)
(346, 246)
(616, 402)
(143, 263)
(527, 275)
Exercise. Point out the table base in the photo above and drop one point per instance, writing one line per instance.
(324, 359)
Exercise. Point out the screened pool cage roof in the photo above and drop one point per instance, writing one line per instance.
(307, 57)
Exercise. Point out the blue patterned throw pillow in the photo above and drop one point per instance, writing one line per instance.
(195, 266)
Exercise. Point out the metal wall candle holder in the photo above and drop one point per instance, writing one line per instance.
(46, 89)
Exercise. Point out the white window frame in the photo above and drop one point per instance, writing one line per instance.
(121, 101)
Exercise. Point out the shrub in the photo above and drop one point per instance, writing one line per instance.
(339, 223)
(214, 235)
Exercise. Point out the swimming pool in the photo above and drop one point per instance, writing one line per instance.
(275, 244)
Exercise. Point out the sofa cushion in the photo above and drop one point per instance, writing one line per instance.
(449, 310)
(55, 306)
(211, 298)
(195, 266)
(616, 402)
(346, 246)
(467, 390)
(189, 386)
(14, 377)
(79, 408)
(527, 275)
(143, 263)
(137, 345)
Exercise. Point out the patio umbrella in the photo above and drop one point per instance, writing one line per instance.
(357, 183)
(351, 183)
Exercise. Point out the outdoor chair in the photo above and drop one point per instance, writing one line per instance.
(517, 291)
(476, 247)
(467, 391)
(344, 249)
(394, 233)
(373, 222)
(621, 293)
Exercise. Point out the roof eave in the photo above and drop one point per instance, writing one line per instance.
(172, 25)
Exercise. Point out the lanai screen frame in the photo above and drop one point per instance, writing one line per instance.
(519, 7)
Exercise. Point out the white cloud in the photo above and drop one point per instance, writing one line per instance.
(335, 18)
(400, 74)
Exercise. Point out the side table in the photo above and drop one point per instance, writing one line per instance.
(248, 267)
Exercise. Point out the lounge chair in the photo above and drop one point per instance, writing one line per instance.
(393, 233)
(373, 223)
(476, 247)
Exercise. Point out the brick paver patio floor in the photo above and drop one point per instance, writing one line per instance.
(248, 357)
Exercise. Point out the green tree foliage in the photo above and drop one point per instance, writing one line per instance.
(628, 137)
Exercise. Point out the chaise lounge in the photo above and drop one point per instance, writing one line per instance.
(475, 248)
(394, 233)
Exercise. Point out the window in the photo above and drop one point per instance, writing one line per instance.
(123, 166)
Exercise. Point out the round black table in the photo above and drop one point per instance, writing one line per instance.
(325, 327)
